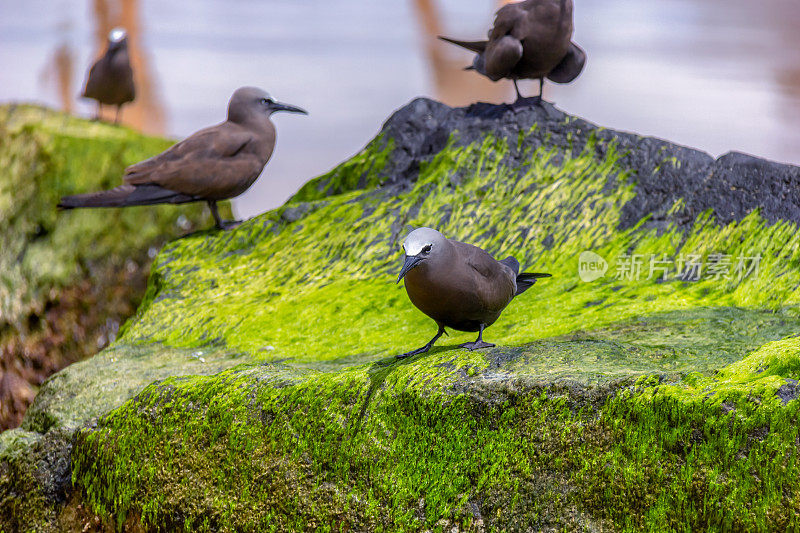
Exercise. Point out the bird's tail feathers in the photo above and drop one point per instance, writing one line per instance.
(125, 195)
(527, 279)
(476, 46)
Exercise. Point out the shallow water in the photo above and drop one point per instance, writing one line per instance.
(718, 75)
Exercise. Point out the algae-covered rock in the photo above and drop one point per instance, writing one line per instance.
(256, 388)
(67, 280)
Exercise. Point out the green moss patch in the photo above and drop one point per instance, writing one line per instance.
(437, 442)
(68, 279)
(321, 287)
(631, 402)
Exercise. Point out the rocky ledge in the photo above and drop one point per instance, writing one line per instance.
(651, 384)
(67, 281)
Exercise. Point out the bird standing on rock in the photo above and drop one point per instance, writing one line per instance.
(529, 40)
(458, 285)
(213, 164)
(110, 80)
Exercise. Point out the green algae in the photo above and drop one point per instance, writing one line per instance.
(87, 389)
(321, 461)
(46, 155)
(338, 261)
(65, 279)
(31, 456)
(672, 465)
(423, 444)
(68, 278)
(619, 404)
(362, 171)
(31, 478)
(551, 429)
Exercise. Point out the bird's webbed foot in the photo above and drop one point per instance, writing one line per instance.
(477, 345)
(525, 103)
(226, 225)
(415, 352)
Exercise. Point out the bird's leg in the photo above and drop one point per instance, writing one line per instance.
(116, 117)
(218, 222)
(522, 102)
(98, 111)
(516, 88)
(426, 347)
(212, 205)
(540, 98)
(478, 344)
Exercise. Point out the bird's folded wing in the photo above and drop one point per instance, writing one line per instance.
(479, 260)
(501, 56)
(570, 67)
(493, 283)
(93, 85)
(511, 263)
(188, 164)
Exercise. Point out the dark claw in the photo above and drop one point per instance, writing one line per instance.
(226, 225)
(414, 352)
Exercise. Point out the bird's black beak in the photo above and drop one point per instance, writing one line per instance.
(411, 262)
(278, 106)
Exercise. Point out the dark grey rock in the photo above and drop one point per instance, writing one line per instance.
(732, 186)
(788, 392)
(37, 470)
(295, 212)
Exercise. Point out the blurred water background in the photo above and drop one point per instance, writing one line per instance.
(718, 75)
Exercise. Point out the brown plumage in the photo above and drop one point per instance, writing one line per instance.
(110, 80)
(458, 285)
(529, 40)
(213, 164)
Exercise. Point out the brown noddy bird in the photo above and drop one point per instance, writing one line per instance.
(458, 285)
(213, 164)
(110, 80)
(529, 40)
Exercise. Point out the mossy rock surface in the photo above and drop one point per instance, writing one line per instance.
(68, 279)
(256, 388)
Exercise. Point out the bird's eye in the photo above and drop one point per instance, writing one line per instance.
(266, 101)
(426, 249)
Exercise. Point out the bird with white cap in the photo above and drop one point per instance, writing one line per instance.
(110, 80)
(458, 285)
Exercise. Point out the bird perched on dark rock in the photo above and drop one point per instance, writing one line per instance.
(529, 40)
(213, 164)
(110, 80)
(460, 286)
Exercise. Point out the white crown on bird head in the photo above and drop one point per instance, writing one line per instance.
(117, 34)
